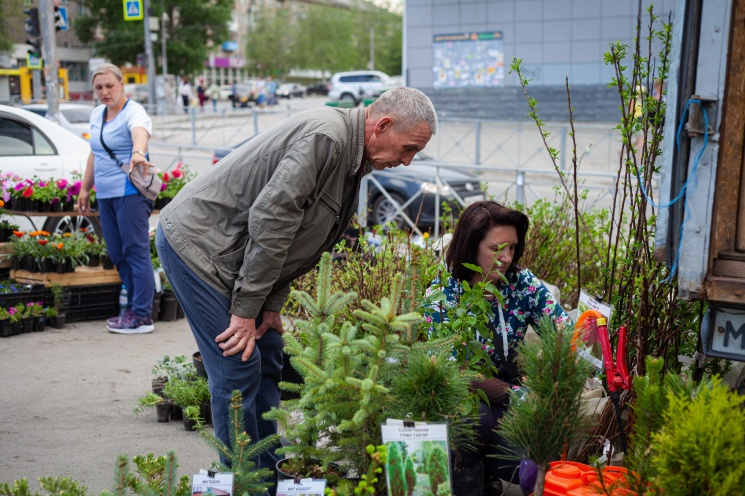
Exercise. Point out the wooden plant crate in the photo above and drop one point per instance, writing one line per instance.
(83, 276)
(5, 255)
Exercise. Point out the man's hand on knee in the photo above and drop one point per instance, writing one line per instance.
(239, 336)
(269, 320)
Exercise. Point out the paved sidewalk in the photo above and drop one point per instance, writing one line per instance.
(67, 397)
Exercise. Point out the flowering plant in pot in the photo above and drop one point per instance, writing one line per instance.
(6, 227)
(35, 310)
(5, 329)
(173, 182)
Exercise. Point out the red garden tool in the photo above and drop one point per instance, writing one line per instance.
(618, 374)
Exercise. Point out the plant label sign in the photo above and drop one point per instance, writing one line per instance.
(212, 484)
(418, 458)
(311, 487)
(587, 302)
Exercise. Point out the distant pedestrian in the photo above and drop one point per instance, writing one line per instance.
(184, 91)
(201, 94)
(271, 91)
(213, 92)
(260, 92)
(234, 93)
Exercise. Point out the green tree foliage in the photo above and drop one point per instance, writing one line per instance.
(438, 468)
(395, 470)
(539, 426)
(410, 475)
(324, 38)
(189, 21)
(11, 23)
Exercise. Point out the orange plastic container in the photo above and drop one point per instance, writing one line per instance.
(578, 479)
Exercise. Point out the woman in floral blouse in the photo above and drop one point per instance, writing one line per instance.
(481, 230)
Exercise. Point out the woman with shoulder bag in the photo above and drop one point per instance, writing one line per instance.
(118, 166)
(487, 232)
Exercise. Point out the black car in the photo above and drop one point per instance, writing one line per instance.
(318, 89)
(403, 183)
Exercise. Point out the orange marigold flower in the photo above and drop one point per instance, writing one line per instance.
(2, 204)
(44, 233)
(60, 246)
(33, 234)
(66, 235)
(43, 241)
(19, 234)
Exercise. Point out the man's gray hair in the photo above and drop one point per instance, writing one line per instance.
(408, 107)
(110, 69)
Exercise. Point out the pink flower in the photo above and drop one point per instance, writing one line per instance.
(531, 288)
(163, 187)
(28, 192)
(75, 189)
(42, 184)
(62, 183)
(428, 319)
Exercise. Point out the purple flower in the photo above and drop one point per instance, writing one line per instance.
(62, 183)
(74, 190)
(42, 184)
(163, 187)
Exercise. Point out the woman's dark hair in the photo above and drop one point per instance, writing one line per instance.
(473, 225)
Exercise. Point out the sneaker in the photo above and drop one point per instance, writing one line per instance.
(132, 324)
(117, 318)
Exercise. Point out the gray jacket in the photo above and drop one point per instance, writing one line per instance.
(264, 214)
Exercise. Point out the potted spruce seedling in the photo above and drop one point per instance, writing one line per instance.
(192, 418)
(348, 369)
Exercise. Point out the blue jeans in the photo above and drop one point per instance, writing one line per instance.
(124, 221)
(208, 314)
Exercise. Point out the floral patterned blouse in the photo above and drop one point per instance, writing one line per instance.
(526, 299)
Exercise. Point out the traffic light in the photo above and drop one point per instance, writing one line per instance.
(31, 22)
(35, 50)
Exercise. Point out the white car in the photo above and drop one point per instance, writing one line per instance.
(31, 145)
(356, 85)
(73, 116)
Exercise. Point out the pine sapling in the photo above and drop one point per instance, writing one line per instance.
(541, 425)
(240, 453)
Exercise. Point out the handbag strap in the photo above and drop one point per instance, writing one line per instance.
(103, 143)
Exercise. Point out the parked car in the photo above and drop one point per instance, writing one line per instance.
(318, 89)
(74, 117)
(403, 183)
(31, 145)
(356, 85)
(137, 92)
(393, 82)
(289, 90)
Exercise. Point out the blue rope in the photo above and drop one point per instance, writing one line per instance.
(696, 161)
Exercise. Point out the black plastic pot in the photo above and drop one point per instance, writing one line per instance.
(469, 481)
(205, 411)
(61, 267)
(16, 328)
(163, 410)
(282, 475)
(27, 324)
(107, 263)
(59, 321)
(28, 263)
(94, 261)
(189, 424)
(46, 266)
(158, 385)
(156, 307)
(5, 328)
(196, 359)
(168, 306)
(45, 206)
(176, 412)
(39, 323)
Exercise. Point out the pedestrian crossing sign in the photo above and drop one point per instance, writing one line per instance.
(133, 10)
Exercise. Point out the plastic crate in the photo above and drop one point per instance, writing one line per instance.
(93, 302)
(35, 294)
